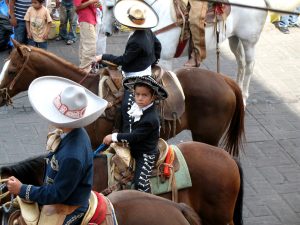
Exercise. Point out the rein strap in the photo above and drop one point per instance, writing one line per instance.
(21, 70)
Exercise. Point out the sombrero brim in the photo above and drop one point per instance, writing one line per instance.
(42, 92)
(129, 83)
(121, 14)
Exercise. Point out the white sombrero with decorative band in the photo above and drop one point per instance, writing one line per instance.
(64, 103)
(135, 14)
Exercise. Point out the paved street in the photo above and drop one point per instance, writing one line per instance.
(271, 160)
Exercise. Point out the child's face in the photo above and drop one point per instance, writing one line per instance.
(36, 4)
(143, 96)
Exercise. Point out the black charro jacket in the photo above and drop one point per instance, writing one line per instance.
(142, 50)
(144, 135)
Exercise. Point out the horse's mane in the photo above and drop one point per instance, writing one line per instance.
(27, 171)
(57, 59)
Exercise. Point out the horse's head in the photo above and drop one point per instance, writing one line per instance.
(108, 23)
(13, 72)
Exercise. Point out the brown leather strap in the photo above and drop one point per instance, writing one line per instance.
(113, 88)
(169, 27)
(12, 84)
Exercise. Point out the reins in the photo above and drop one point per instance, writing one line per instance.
(169, 27)
(7, 207)
(21, 70)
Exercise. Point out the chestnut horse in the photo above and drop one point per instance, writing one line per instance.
(217, 182)
(213, 102)
(135, 208)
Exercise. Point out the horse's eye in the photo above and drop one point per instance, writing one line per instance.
(11, 73)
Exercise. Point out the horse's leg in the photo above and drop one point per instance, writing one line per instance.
(249, 49)
(238, 50)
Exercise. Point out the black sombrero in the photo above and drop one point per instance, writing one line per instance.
(130, 82)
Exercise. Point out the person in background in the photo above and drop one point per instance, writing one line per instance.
(86, 11)
(287, 21)
(142, 49)
(38, 22)
(67, 15)
(17, 11)
(144, 128)
(68, 106)
(197, 16)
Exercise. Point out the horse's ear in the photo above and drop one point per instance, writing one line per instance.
(17, 46)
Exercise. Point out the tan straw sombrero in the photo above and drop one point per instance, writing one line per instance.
(64, 103)
(135, 14)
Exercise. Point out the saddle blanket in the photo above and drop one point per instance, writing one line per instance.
(182, 176)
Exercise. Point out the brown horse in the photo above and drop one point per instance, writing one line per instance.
(135, 208)
(217, 183)
(213, 102)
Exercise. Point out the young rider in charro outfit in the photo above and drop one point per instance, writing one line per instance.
(69, 171)
(143, 134)
(142, 49)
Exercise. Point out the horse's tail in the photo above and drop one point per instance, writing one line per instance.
(191, 216)
(235, 133)
(238, 209)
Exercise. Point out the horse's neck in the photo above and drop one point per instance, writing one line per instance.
(166, 13)
(48, 64)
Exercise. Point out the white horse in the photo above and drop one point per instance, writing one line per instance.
(243, 29)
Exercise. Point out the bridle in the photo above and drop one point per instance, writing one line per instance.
(12, 84)
(4, 91)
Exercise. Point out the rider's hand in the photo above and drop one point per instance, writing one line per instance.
(107, 139)
(14, 185)
(98, 58)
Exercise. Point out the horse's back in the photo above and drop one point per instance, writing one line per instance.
(244, 22)
(210, 159)
(209, 103)
(134, 208)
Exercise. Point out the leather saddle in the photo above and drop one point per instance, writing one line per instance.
(122, 164)
(173, 107)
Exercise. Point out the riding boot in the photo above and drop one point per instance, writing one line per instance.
(194, 60)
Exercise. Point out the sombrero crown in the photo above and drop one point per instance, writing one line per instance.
(130, 82)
